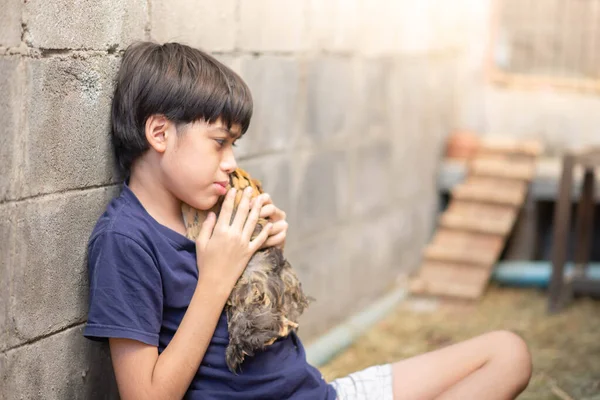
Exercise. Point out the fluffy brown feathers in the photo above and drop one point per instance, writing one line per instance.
(267, 300)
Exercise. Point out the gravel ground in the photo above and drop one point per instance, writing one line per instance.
(565, 347)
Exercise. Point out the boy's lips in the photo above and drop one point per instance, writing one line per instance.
(221, 187)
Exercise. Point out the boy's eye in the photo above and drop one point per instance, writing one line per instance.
(223, 141)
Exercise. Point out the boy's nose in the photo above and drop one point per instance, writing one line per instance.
(229, 164)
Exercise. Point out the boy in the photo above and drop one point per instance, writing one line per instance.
(159, 297)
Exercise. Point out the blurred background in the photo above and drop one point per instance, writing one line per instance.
(359, 106)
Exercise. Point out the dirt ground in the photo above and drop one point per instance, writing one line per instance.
(565, 347)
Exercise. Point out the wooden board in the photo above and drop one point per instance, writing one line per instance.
(503, 167)
(478, 217)
(464, 247)
(510, 146)
(450, 279)
(491, 191)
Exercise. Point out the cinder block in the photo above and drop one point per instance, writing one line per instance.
(449, 24)
(330, 85)
(432, 146)
(275, 85)
(322, 266)
(423, 211)
(272, 25)
(321, 188)
(10, 22)
(373, 179)
(2, 368)
(7, 221)
(427, 26)
(373, 106)
(68, 112)
(49, 269)
(12, 83)
(204, 24)
(470, 107)
(87, 24)
(399, 230)
(371, 247)
(409, 95)
(232, 61)
(62, 366)
(335, 25)
(406, 160)
(381, 26)
(443, 87)
(407, 82)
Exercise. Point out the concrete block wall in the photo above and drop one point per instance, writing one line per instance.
(353, 100)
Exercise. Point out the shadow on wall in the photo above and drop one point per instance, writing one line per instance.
(99, 379)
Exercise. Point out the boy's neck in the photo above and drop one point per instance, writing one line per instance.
(156, 199)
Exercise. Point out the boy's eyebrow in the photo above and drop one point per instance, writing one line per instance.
(233, 135)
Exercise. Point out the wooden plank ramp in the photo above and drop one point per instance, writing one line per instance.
(481, 214)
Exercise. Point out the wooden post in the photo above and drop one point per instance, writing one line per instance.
(562, 222)
(585, 222)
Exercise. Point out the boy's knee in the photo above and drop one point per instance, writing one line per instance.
(512, 350)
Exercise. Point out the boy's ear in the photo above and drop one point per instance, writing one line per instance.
(157, 132)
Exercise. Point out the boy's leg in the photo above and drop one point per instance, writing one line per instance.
(496, 365)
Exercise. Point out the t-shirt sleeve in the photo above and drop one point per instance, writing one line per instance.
(125, 299)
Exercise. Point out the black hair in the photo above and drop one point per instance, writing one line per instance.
(180, 82)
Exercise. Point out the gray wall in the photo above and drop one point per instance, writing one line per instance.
(353, 101)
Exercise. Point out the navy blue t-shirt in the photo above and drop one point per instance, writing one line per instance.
(142, 278)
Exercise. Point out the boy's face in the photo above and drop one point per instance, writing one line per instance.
(197, 162)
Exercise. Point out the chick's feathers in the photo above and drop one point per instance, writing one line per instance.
(267, 299)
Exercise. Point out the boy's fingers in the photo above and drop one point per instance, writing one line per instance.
(206, 230)
(252, 220)
(267, 210)
(274, 240)
(270, 210)
(226, 209)
(261, 238)
(242, 210)
(265, 198)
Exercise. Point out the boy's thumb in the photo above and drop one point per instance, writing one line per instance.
(206, 230)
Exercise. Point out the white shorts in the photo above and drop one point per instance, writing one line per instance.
(373, 383)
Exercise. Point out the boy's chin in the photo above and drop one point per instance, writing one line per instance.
(209, 204)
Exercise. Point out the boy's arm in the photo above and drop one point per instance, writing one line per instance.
(144, 374)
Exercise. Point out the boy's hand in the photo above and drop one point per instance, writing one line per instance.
(223, 250)
(278, 232)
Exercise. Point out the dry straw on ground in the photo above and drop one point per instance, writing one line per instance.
(565, 347)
